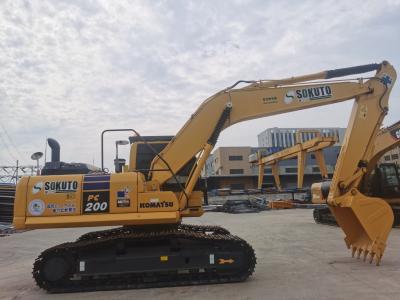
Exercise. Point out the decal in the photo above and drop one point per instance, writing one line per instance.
(363, 112)
(61, 209)
(270, 100)
(71, 196)
(307, 94)
(96, 202)
(36, 207)
(37, 187)
(396, 134)
(222, 261)
(82, 266)
(212, 259)
(164, 258)
(387, 80)
(60, 187)
(123, 199)
(289, 97)
(97, 178)
(90, 186)
(96, 182)
(155, 204)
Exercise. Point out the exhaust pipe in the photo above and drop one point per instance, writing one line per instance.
(55, 149)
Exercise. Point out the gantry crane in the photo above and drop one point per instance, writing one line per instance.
(299, 150)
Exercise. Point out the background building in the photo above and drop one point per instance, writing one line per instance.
(392, 156)
(286, 137)
(229, 167)
(230, 161)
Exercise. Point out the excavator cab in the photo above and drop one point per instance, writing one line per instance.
(384, 181)
(145, 148)
(390, 180)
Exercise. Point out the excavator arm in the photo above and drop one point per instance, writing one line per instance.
(366, 222)
(265, 98)
(257, 100)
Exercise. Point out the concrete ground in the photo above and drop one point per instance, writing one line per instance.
(297, 259)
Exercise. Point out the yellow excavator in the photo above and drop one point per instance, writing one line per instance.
(154, 248)
(380, 180)
(299, 150)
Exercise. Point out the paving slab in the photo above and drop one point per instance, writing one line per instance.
(296, 259)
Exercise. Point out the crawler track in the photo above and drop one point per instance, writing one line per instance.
(133, 257)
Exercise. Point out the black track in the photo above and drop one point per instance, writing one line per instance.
(64, 258)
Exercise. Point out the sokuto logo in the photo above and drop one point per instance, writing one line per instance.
(37, 187)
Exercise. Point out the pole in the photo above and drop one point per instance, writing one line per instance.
(16, 173)
(116, 151)
(102, 142)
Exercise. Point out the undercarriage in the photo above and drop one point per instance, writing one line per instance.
(136, 257)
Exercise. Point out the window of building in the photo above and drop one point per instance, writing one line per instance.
(235, 157)
(395, 156)
(387, 157)
(315, 169)
(267, 171)
(312, 156)
(236, 171)
(237, 186)
(291, 170)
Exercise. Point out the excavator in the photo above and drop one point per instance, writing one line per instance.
(152, 247)
(299, 150)
(380, 180)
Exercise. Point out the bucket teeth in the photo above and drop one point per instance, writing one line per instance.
(371, 258)
(353, 251)
(365, 252)
(369, 250)
(365, 255)
(359, 253)
(378, 260)
(366, 222)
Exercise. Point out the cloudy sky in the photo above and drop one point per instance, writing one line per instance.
(70, 69)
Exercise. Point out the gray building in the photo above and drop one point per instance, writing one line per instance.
(286, 137)
(228, 167)
(280, 138)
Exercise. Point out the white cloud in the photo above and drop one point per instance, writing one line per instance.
(70, 69)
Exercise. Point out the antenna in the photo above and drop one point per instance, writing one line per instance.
(36, 156)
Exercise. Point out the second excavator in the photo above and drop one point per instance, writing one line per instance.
(154, 248)
(380, 180)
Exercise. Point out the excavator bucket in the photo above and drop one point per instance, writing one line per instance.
(366, 222)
